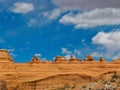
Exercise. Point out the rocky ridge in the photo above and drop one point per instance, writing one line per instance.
(6, 58)
(61, 74)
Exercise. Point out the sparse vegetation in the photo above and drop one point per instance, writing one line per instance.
(66, 87)
(84, 86)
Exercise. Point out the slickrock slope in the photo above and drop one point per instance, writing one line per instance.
(58, 75)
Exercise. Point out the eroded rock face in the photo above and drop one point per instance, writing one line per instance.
(102, 59)
(5, 57)
(54, 82)
(74, 60)
(35, 60)
(60, 59)
(89, 58)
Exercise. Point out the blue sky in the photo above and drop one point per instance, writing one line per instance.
(47, 28)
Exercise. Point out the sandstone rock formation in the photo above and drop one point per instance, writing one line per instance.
(35, 60)
(89, 58)
(5, 57)
(47, 62)
(60, 59)
(116, 61)
(48, 75)
(56, 81)
(102, 59)
(74, 60)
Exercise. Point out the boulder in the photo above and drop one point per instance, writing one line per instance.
(60, 59)
(89, 58)
(102, 59)
(74, 60)
(35, 60)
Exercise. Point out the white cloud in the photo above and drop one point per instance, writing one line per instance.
(96, 17)
(96, 54)
(37, 54)
(77, 52)
(32, 22)
(11, 50)
(86, 4)
(40, 56)
(68, 53)
(83, 40)
(110, 42)
(12, 54)
(65, 51)
(52, 14)
(69, 56)
(22, 7)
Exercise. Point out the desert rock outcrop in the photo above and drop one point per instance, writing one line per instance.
(5, 57)
(57, 75)
(60, 59)
(74, 60)
(89, 58)
(102, 59)
(35, 60)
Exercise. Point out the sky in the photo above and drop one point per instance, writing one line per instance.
(47, 28)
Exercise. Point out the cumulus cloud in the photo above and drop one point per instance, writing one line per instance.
(22, 7)
(96, 17)
(86, 4)
(52, 14)
(110, 42)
